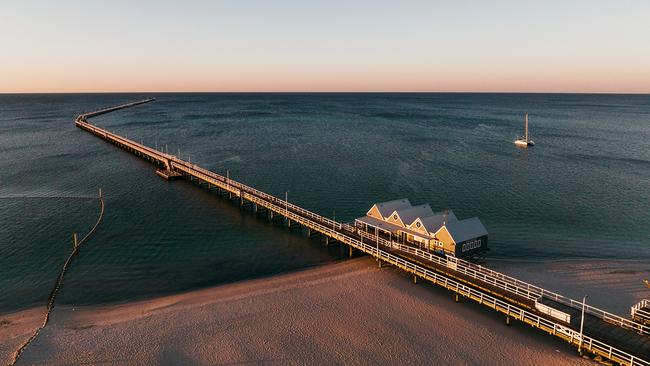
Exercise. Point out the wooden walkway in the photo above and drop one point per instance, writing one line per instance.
(641, 312)
(606, 335)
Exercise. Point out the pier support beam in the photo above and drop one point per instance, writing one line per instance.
(292, 224)
(508, 320)
(415, 279)
(351, 250)
(456, 297)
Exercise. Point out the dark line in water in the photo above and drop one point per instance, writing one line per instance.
(57, 285)
(47, 197)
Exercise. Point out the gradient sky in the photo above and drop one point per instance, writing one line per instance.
(537, 46)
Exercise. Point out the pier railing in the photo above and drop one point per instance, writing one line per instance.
(639, 310)
(558, 329)
(508, 283)
(242, 187)
(484, 274)
(338, 231)
(516, 312)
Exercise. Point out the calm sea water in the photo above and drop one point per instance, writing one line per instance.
(582, 192)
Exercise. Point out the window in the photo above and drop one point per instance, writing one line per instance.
(473, 244)
(418, 224)
(395, 217)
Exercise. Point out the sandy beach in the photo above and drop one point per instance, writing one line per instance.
(346, 313)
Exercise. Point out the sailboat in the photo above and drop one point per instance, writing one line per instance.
(525, 141)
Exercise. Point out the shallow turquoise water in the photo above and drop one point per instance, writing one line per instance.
(582, 192)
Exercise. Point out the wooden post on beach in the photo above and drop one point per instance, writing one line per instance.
(456, 297)
(507, 319)
(415, 279)
(74, 241)
(351, 250)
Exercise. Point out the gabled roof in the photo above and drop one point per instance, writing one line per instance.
(434, 222)
(411, 214)
(466, 229)
(387, 226)
(387, 208)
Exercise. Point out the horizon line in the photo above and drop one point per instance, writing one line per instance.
(326, 92)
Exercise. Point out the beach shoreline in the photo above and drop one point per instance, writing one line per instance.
(346, 312)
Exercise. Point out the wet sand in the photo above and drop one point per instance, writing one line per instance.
(346, 313)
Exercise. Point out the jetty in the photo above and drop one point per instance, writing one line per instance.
(605, 336)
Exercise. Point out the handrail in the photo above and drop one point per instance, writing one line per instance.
(495, 278)
(511, 284)
(498, 304)
(638, 309)
(524, 315)
(322, 224)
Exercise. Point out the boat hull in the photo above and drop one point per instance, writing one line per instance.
(523, 143)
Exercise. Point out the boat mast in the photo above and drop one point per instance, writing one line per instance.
(526, 127)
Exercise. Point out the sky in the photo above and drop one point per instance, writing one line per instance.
(325, 46)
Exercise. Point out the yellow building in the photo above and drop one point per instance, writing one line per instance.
(419, 226)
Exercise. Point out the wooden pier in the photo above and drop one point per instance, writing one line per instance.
(604, 335)
(641, 312)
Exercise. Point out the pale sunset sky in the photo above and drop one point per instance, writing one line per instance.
(259, 46)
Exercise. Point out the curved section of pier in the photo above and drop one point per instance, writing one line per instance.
(606, 336)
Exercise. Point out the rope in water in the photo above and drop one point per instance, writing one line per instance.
(57, 285)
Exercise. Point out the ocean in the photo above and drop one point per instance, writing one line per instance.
(582, 192)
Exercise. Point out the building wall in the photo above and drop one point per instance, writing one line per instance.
(448, 244)
(374, 212)
(420, 229)
(472, 246)
(417, 239)
(396, 220)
